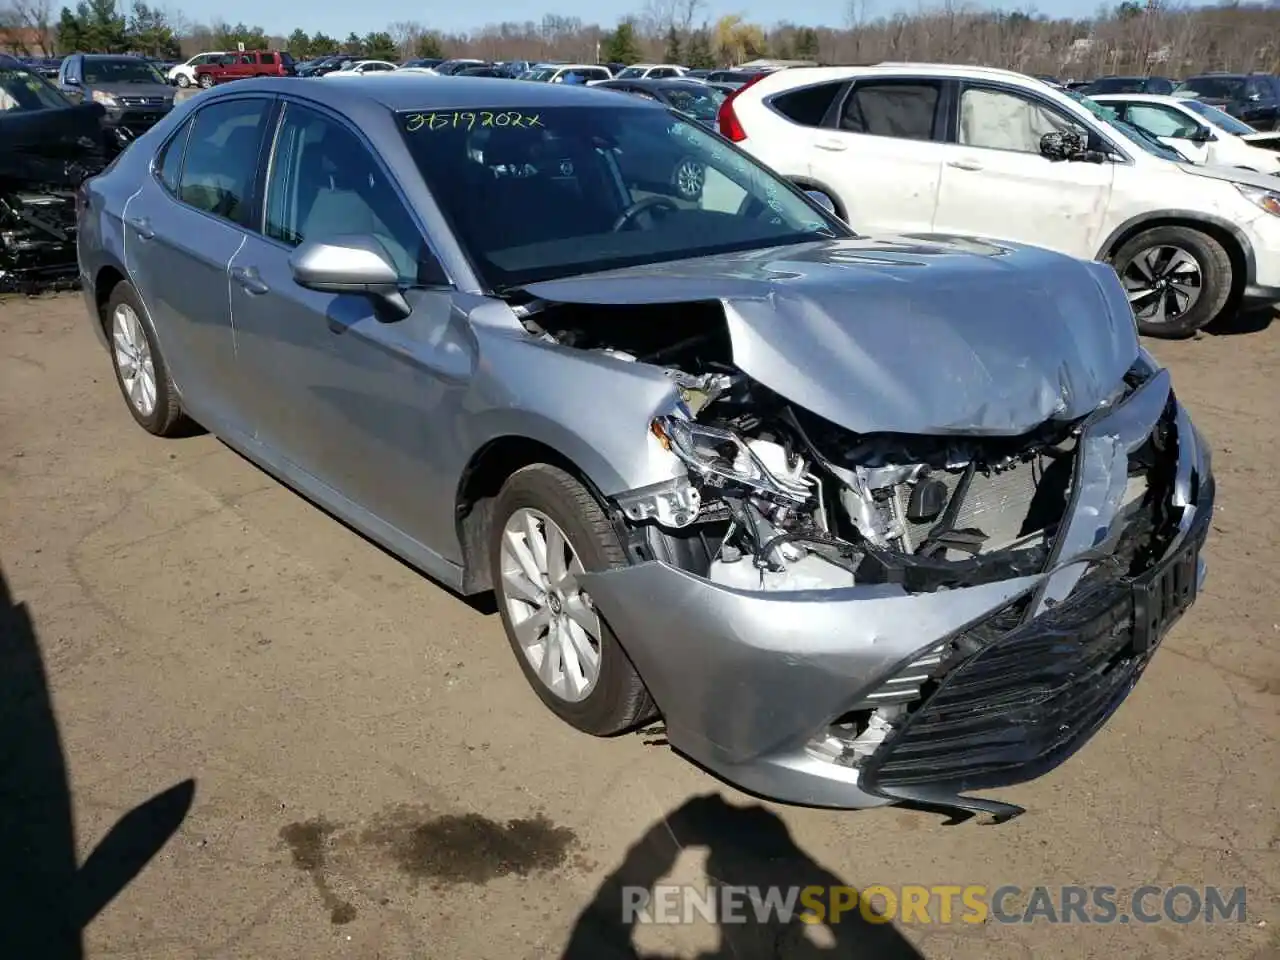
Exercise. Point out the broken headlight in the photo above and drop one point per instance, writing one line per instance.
(720, 456)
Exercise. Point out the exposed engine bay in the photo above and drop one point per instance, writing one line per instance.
(45, 154)
(776, 498)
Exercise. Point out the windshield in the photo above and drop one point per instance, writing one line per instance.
(1218, 117)
(631, 73)
(542, 75)
(23, 90)
(1215, 88)
(120, 71)
(545, 193)
(700, 103)
(1135, 135)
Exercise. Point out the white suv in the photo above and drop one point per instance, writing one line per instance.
(184, 74)
(925, 148)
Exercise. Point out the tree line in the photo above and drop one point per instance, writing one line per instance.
(1132, 37)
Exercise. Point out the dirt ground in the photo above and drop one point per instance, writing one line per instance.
(335, 758)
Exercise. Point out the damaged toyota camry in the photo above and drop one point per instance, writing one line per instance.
(859, 520)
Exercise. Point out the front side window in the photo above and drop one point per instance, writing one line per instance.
(1161, 121)
(222, 158)
(551, 192)
(122, 70)
(903, 109)
(1003, 120)
(324, 183)
(631, 73)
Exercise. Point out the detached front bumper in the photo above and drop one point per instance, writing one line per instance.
(749, 681)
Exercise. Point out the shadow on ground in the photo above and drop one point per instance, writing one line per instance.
(46, 900)
(746, 847)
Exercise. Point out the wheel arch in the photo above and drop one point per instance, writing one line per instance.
(478, 485)
(1231, 237)
(809, 183)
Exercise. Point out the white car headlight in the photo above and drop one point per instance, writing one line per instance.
(718, 456)
(1266, 199)
(106, 99)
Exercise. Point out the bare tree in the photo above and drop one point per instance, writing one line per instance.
(35, 17)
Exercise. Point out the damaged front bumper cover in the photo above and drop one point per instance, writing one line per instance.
(748, 681)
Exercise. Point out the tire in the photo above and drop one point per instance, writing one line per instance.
(616, 700)
(689, 177)
(1173, 258)
(206, 80)
(129, 337)
(184, 81)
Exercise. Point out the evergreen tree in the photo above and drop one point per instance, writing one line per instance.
(673, 52)
(622, 46)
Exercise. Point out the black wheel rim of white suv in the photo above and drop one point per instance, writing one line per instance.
(1163, 283)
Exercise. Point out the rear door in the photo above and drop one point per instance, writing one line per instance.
(997, 184)
(878, 149)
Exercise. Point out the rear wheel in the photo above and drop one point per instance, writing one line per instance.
(689, 177)
(141, 373)
(206, 80)
(547, 530)
(1177, 278)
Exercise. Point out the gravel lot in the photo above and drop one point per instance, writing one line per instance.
(372, 777)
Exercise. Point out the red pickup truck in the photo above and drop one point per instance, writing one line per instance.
(251, 63)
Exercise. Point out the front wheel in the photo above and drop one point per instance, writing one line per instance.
(1177, 278)
(184, 81)
(548, 530)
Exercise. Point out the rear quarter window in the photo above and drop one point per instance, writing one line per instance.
(904, 109)
(808, 105)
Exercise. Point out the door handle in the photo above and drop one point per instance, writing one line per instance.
(832, 144)
(964, 164)
(142, 227)
(249, 280)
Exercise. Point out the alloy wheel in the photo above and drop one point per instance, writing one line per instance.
(1163, 283)
(553, 619)
(184, 80)
(134, 364)
(690, 177)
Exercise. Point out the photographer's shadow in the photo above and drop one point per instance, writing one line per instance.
(747, 847)
(46, 900)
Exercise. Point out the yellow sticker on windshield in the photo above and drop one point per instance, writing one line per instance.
(470, 120)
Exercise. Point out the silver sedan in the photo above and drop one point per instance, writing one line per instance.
(862, 520)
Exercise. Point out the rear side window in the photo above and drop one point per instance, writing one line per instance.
(169, 162)
(808, 105)
(222, 158)
(903, 109)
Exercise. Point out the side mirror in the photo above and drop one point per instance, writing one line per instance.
(1202, 135)
(352, 263)
(1065, 145)
(71, 82)
(822, 200)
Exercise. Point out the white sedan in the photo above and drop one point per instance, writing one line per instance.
(362, 68)
(1200, 132)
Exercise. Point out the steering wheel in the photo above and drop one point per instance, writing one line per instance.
(641, 206)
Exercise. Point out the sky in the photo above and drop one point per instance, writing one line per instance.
(340, 17)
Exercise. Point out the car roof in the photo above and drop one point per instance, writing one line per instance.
(661, 83)
(421, 92)
(113, 56)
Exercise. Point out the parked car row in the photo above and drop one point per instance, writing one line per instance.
(996, 154)
(863, 519)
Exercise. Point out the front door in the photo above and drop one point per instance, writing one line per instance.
(183, 227)
(996, 183)
(342, 392)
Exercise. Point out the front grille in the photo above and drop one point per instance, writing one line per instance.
(141, 101)
(1022, 704)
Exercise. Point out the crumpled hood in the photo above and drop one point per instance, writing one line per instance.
(1231, 175)
(932, 335)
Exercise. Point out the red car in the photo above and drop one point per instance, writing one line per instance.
(251, 63)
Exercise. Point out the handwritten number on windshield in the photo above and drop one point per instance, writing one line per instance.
(470, 119)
